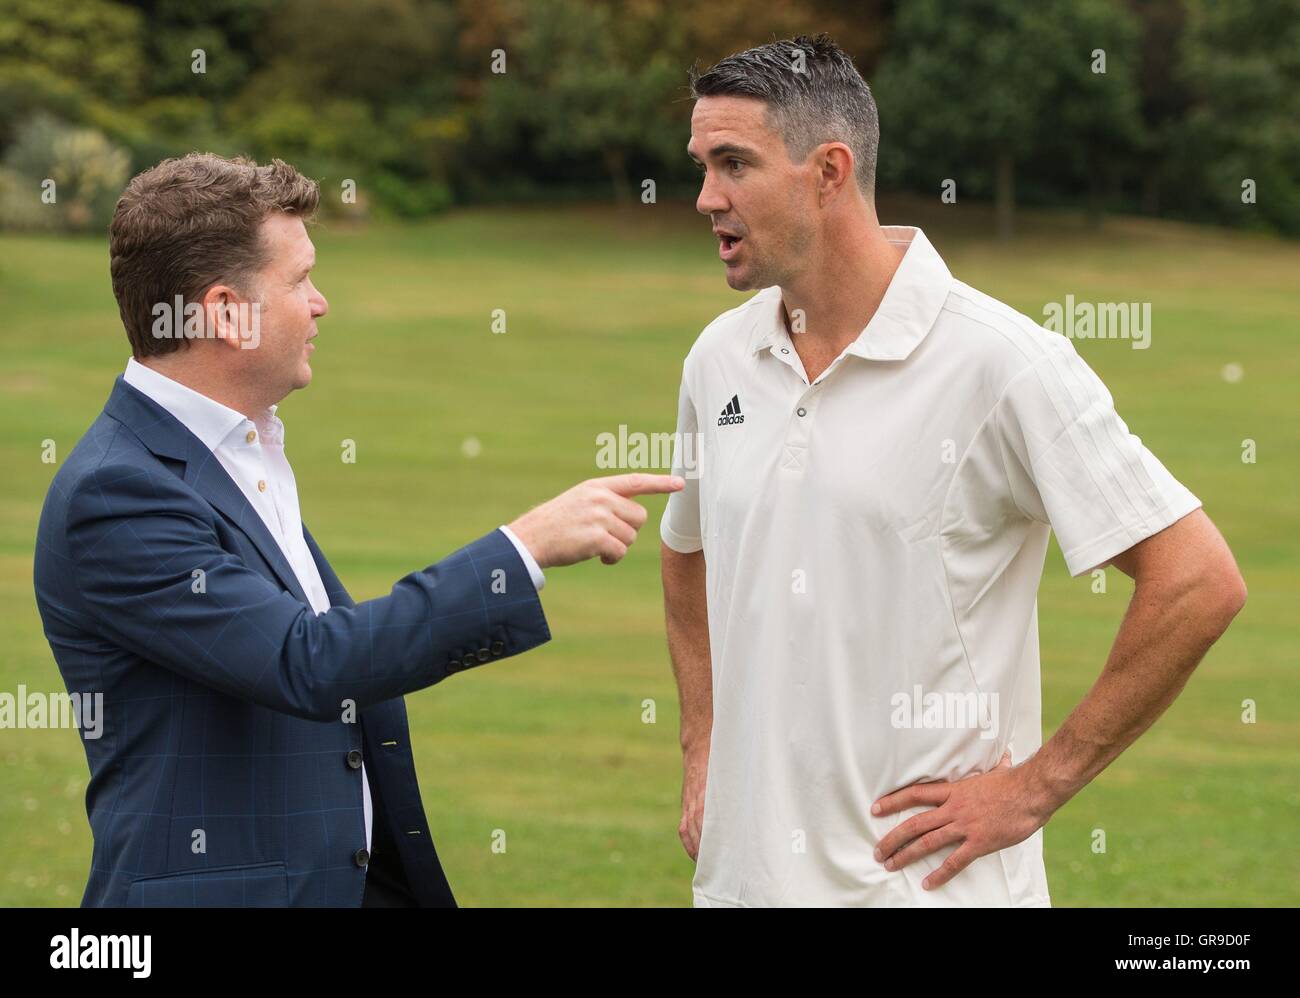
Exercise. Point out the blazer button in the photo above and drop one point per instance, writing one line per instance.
(498, 647)
(468, 661)
(354, 759)
(483, 654)
(453, 665)
(361, 857)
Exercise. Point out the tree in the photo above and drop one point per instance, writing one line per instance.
(574, 93)
(971, 91)
(1242, 66)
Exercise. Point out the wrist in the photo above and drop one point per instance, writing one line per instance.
(535, 547)
(695, 745)
(1045, 794)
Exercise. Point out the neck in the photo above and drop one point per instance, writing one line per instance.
(202, 379)
(844, 284)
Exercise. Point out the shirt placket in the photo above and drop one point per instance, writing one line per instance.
(794, 445)
(794, 454)
(265, 484)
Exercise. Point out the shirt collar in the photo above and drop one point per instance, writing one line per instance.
(912, 303)
(206, 418)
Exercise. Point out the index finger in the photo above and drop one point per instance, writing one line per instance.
(638, 484)
(916, 794)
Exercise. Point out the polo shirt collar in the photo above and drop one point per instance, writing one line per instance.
(911, 304)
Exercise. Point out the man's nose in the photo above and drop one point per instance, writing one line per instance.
(319, 306)
(711, 200)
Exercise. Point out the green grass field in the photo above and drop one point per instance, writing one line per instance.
(601, 307)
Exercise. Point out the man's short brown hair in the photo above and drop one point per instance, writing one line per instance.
(189, 223)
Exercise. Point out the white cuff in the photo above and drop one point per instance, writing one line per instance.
(534, 569)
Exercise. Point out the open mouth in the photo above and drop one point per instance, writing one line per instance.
(728, 245)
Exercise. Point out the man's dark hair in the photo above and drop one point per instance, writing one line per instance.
(813, 92)
(189, 223)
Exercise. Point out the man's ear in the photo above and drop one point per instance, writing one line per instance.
(227, 315)
(834, 163)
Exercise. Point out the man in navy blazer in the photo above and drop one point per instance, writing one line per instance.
(255, 749)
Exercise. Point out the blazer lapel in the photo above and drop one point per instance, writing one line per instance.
(166, 436)
(333, 586)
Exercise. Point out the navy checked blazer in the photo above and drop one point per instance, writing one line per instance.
(236, 720)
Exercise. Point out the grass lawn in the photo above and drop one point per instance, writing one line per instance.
(601, 307)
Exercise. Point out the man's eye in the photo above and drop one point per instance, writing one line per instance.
(735, 164)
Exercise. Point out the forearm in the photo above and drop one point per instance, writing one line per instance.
(244, 635)
(686, 616)
(1167, 629)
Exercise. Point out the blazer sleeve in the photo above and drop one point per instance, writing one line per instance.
(153, 576)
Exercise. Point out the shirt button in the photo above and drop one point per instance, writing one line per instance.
(250, 436)
(784, 350)
(261, 485)
(354, 759)
(802, 411)
(361, 857)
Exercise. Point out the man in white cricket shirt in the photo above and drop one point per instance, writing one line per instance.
(850, 583)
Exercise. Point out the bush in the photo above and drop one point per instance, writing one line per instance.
(410, 199)
(60, 177)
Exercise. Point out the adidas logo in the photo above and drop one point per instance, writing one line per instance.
(732, 413)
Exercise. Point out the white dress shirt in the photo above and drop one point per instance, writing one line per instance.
(252, 452)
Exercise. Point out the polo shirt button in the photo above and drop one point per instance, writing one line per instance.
(468, 662)
(361, 857)
(251, 436)
(802, 411)
(784, 350)
(483, 654)
(498, 647)
(261, 486)
(354, 759)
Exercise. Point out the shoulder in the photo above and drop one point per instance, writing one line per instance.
(101, 444)
(998, 339)
(111, 471)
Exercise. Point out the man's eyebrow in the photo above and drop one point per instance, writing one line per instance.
(726, 149)
(731, 149)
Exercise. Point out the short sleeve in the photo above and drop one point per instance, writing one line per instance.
(1071, 461)
(680, 526)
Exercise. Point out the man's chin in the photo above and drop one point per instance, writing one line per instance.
(738, 279)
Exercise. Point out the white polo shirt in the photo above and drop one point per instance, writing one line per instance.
(874, 543)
